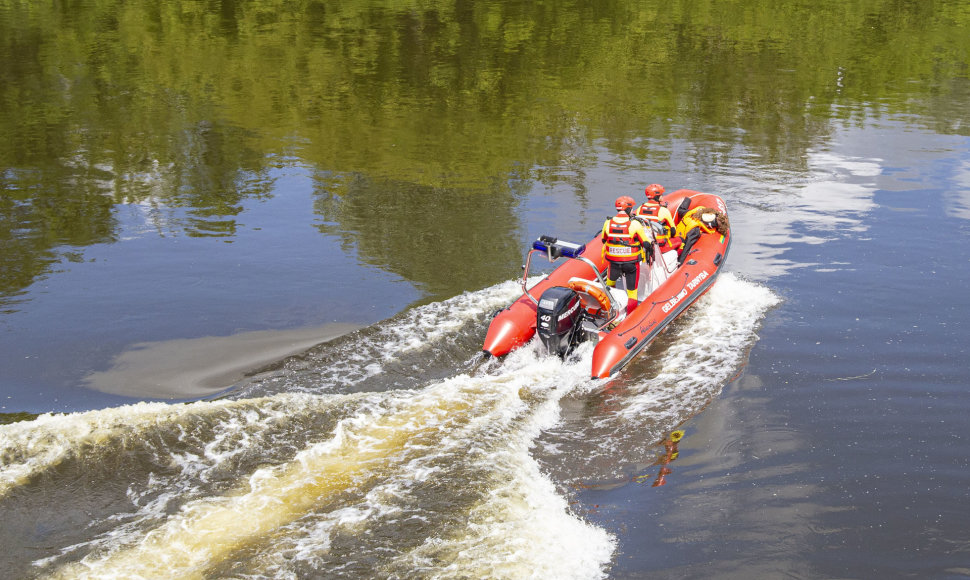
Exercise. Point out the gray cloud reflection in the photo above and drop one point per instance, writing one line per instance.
(775, 210)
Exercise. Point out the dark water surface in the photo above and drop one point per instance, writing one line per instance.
(190, 193)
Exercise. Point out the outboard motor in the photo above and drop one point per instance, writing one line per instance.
(558, 319)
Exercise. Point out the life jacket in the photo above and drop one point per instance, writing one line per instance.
(649, 210)
(692, 220)
(624, 239)
(655, 212)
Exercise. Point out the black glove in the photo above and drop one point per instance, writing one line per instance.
(689, 240)
(648, 255)
(692, 236)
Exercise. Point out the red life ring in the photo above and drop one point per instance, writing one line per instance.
(588, 287)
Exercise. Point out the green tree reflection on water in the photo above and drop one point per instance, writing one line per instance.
(421, 112)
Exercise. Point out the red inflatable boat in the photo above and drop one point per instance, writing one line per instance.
(573, 303)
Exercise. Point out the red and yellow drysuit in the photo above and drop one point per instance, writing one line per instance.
(658, 212)
(624, 243)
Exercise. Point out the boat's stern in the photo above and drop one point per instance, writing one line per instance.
(608, 357)
(510, 329)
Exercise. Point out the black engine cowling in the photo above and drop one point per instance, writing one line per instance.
(558, 319)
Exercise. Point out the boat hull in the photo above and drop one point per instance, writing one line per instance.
(516, 325)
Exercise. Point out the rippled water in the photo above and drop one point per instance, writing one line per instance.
(347, 470)
(819, 387)
(193, 195)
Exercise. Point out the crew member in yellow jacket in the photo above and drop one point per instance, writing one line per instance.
(698, 221)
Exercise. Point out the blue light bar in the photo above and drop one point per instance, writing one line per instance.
(555, 248)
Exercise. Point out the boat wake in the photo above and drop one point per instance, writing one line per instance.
(366, 457)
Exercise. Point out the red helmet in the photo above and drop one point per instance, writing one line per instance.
(625, 203)
(654, 190)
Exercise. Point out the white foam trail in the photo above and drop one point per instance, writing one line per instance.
(487, 422)
(494, 511)
(197, 447)
(614, 433)
(207, 530)
(29, 447)
(524, 527)
(418, 329)
(722, 326)
(210, 435)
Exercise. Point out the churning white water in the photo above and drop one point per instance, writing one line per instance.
(346, 473)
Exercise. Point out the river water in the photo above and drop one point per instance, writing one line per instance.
(250, 251)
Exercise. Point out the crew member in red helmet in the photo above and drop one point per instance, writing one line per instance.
(654, 210)
(626, 243)
(657, 218)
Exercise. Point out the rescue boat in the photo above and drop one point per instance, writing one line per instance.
(573, 303)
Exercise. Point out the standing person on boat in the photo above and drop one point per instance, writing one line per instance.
(625, 244)
(654, 214)
(698, 221)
